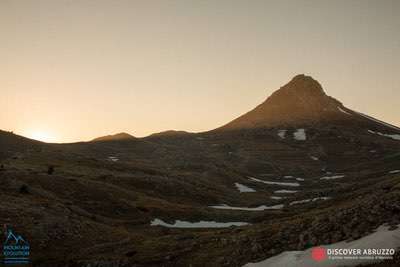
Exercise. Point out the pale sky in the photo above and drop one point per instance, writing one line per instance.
(74, 70)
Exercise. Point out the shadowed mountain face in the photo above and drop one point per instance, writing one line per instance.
(299, 170)
(301, 101)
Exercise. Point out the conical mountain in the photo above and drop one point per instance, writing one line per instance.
(300, 102)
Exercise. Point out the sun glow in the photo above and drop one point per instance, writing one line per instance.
(41, 136)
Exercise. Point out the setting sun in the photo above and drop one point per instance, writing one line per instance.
(41, 136)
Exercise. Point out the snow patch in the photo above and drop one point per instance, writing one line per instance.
(112, 158)
(308, 200)
(395, 171)
(292, 177)
(382, 238)
(282, 133)
(314, 158)
(200, 224)
(378, 121)
(259, 208)
(343, 111)
(244, 189)
(300, 135)
(393, 136)
(273, 183)
(276, 197)
(332, 177)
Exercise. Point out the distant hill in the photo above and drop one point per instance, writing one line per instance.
(169, 133)
(114, 137)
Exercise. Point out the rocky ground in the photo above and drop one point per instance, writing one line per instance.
(95, 211)
(330, 177)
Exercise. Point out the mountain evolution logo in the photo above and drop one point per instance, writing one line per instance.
(16, 249)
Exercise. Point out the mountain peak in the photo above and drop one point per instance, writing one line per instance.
(301, 86)
(304, 82)
(301, 101)
(302, 78)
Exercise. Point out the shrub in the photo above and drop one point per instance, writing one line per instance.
(24, 189)
(50, 170)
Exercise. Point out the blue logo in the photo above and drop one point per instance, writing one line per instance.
(16, 249)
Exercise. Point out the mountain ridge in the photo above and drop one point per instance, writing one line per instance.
(300, 102)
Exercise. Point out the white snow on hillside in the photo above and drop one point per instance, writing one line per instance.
(343, 111)
(300, 135)
(314, 158)
(112, 158)
(308, 200)
(395, 171)
(393, 136)
(259, 208)
(201, 224)
(244, 189)
(332, 177)
(381, 238)
(292, 177)
(378, 121)
(276, 198)
(282, 133)
(274, 183)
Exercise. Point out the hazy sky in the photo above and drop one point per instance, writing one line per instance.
(77, 69)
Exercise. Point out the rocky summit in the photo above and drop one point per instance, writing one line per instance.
(299, 170)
